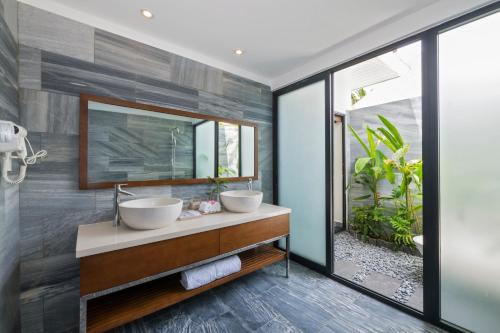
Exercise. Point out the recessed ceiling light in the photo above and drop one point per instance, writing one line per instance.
(146, 13)
(238, 51)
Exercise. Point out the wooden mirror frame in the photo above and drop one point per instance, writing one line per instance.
(84, 184)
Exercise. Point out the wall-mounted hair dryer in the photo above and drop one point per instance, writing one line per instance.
(12, 146)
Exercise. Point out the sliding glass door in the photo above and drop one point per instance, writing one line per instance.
(302, 163)
(469, 158)
(379, 246)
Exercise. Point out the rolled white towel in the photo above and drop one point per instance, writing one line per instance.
(198, 276)
(227, 266)
(204, 274)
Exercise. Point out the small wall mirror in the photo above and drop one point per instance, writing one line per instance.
(138, 144)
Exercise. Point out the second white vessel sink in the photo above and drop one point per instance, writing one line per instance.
(150, 213)
(241, 201)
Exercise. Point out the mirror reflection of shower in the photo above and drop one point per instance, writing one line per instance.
(173, 137)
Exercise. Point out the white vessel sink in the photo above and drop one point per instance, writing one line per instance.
(241, 201)
(150, 213)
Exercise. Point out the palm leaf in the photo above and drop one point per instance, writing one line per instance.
(394, 142)
(361, 163)
(384, 140)
(394, 131)
(371, 142)
(363, 197)
(355, 134)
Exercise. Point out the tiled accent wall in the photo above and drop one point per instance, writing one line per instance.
(9, 194)
(59, 59)
(405, 114)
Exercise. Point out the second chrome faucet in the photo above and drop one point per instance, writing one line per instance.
(118, 192)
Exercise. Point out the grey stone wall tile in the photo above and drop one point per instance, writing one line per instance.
(33, 108)
(215, 105)
(42, 273)
(41, 197)
(30, 67)
(128, 55)
(8, 74)
(9, 294)
(9, 13)
(62, 309)
(46, 31)
(32, 315)
(259, 113)
(240, 88)
(156, 92)
(8, 54)
(64, 114)
(31, 230)
(60, 228)
(67, 75)
(8, 101)
(265, 147)
(190, 73)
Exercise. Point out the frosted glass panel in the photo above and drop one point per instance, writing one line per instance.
(301, 160)
(247, 151)
(228, 150)
(205, 149)
(469, 108)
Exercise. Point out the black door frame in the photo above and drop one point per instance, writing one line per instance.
(344, 183)
(430, 157)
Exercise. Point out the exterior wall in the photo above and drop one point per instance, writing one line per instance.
(9, 194)
(56, 53)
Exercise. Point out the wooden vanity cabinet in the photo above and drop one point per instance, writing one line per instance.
(106, 309)
(110, 269)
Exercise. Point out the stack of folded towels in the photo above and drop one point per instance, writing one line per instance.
(202, 275)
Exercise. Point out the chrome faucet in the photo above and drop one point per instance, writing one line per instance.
(118, 191)
(250, 184)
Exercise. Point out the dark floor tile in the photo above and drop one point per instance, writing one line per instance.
(225, 323)
(252, 311)
(267, 302)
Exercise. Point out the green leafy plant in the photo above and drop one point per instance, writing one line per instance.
(369, 221)
(409, 188)
(369, 169)
(402, 230)
(226, 171)
(357, 95)
(220, 184)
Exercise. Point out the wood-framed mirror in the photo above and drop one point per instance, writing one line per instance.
(146, 145)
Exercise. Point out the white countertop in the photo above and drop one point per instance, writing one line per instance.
(103, 237)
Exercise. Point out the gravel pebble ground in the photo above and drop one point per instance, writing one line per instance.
(371, 258)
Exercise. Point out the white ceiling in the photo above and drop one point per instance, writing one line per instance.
(277, 35)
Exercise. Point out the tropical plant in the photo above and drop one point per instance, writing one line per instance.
(369, 221)
(369, 170)
(404, 194)
(226, 171)
(402, 230)
(219, 183)
(357, 95)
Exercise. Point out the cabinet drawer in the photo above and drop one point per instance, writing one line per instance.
(241, 235)
(106, 270)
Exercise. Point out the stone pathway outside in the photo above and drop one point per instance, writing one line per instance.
(394, 274)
